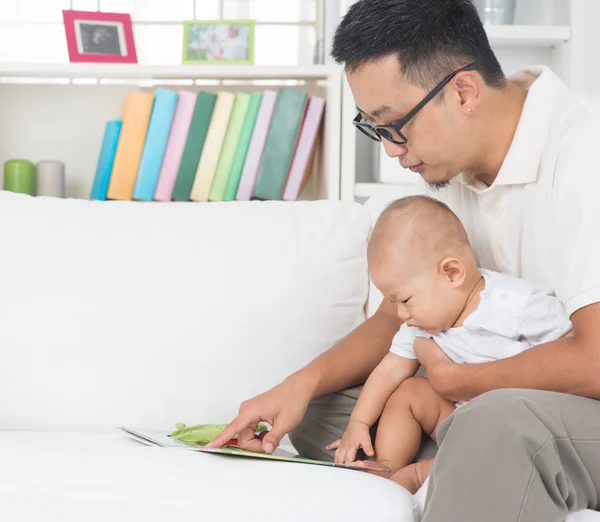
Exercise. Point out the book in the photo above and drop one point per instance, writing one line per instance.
(175, 145)
(257, 145)
(161, 439)
(305, 150)
(212, 146)
(280, 145)
(242, 148)
(106, 160)
(159, 129)
(136, 115)
(194, 144)
(230, 143)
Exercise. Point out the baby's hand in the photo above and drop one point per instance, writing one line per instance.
(356, 436)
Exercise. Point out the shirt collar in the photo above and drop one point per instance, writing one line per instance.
(522, 161)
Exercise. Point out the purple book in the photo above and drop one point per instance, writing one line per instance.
(256, 147)
(175, 145)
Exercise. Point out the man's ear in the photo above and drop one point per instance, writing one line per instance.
(467, 86)
(452, 269)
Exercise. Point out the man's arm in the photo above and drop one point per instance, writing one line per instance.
(346, 364)
(570, 364)
(351, 361)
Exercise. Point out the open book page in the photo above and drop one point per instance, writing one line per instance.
(162, 439)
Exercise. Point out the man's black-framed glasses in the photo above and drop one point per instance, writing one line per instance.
(393, 132)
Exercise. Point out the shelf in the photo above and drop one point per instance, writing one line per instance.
(394, 190)
(528, 35)
(166, 72)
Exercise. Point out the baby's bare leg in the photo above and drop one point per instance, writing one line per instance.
(413, 408)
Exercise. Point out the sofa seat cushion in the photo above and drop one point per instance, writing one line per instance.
(64, 477)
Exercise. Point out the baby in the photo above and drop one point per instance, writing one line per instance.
(420, 258)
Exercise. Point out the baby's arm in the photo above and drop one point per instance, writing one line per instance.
(384, 379)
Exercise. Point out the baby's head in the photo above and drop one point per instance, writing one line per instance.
(420, 258)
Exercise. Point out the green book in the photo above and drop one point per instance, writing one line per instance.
(205, 103)
(242, 149)
(230, 143)
(280, 144)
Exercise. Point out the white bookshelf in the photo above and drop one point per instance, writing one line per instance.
(548, 32)
(127, 71)
(528, 35)
(59, 111)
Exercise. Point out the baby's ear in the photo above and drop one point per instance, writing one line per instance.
(452, 269)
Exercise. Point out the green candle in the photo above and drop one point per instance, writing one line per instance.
(19, 176)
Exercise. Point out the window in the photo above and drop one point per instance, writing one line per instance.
(286, 32)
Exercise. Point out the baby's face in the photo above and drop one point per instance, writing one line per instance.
(424, 297)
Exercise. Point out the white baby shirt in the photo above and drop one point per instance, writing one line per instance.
(513, 315)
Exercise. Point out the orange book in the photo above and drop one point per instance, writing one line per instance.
(136, 115)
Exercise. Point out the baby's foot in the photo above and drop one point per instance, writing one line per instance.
(414, 476)
(386, 470)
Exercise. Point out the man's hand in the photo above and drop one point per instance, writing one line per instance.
(442, 372)
(356, 436)
(283, 407)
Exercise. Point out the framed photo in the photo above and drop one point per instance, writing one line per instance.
(218, 41)
(99, 37)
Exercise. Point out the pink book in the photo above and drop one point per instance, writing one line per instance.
(175, 145)
(305, 150)
(256, 147)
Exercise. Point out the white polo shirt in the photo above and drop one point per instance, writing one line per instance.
(540, 219)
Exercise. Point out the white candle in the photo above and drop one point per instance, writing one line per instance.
(50, 178)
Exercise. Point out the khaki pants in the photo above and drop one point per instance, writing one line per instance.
(506, 456)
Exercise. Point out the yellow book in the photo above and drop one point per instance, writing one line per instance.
(136, 115)
(212, 146)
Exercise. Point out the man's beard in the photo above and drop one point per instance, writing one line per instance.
(439, 185)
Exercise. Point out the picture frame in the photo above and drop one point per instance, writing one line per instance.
(99, 37)
(218, 42)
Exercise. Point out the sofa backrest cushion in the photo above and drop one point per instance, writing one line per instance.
(147, 314)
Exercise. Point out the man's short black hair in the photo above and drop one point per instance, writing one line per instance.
(431, 39)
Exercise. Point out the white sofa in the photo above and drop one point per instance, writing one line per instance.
(148, 314)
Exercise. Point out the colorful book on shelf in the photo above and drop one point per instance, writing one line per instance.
(194, 144)
(159, 129)
(106, 160)
(242, 147)
(230, 143)
(175, 145)
(302, 161)
(136, 115)
(281, 143)
(213, 145)
(257, 145)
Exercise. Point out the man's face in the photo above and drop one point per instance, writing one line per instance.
(436, 145)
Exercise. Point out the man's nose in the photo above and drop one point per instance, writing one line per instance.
(393, 150)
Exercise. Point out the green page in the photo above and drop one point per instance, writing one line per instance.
(162, 439)
(194, 144)
(281, 143)
(230, 143)
(239, 159)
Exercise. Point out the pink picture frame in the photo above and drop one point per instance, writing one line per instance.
(99, 37)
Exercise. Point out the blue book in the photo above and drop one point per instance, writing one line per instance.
(157, 136)
(106, 159)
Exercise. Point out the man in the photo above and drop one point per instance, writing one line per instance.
(516, 159)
